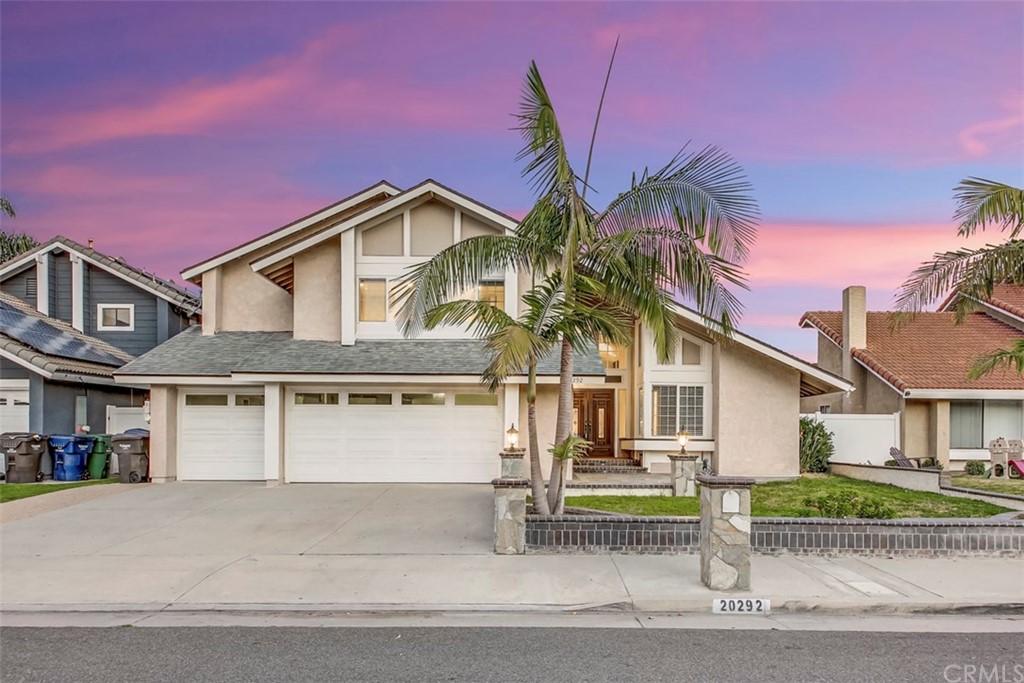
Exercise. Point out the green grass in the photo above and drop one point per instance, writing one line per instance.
(1014, 487)
(786, 499)
(9, 492)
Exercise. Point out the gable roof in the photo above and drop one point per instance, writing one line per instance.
(814, 381)
(1005, 298)
(116, 266)
(382, 188)
(427, 188)
(77, 357)
(930, 352)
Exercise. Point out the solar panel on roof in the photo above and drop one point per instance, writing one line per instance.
(45, 338)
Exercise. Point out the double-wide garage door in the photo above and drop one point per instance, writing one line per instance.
(392, 435)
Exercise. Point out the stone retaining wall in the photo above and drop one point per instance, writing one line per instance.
(903, 537)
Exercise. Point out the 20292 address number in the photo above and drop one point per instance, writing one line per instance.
(741, 606)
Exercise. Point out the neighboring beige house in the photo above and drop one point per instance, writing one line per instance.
(919, 370)
(300, 374)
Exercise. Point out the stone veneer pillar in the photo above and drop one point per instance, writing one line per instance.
(684, 472)
(725, 532)
(510, 515)
(512, 463)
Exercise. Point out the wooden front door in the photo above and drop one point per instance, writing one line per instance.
(593, 418)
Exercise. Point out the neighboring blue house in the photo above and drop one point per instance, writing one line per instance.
(91, 313)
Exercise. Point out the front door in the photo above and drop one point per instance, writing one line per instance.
(593, 418)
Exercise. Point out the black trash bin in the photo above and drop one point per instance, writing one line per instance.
(23, 455)
(132, 452)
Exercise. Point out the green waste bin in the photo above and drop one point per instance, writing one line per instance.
(99, 459)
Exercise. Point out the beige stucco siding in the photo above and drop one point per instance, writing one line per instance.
(431, 229)
(163, 426)
(250, 302)
(914, 423)
(317, 303)
(547, 412)
(757, 415)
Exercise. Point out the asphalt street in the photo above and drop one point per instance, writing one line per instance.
(229, 654)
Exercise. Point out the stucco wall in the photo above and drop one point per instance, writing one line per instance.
(317, 304)
(547, 412)
(916, 439)
(163, 433)
(250, 302)
(879, 397)
(757, 409)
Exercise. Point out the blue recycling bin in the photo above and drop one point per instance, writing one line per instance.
(70, 455)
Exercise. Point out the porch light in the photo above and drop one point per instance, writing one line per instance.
(512, 436)
(683, 437)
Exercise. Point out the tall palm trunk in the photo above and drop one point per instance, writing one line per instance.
(540, 500)
(563, 428)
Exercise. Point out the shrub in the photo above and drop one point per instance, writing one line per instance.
(930, 464)
(816, 446)
(975, 468)
(891, 463)
(840, 504)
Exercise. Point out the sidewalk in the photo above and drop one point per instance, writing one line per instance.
(370, 548)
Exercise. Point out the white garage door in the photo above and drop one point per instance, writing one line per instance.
(14, 409)
(221, 436)
(384, 435)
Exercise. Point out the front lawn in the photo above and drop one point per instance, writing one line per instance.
(786, 499)
(1014, 487)
(9, 492)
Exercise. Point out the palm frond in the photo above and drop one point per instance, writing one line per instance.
(6, 207)
(453, 271)
(982, 203)
(705, 195)
(1011, 359)
(970, 273)
(547, 160)
(484, 318)
(513, 349)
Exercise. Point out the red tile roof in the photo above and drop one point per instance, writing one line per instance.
(1010, 298)
(930, 351)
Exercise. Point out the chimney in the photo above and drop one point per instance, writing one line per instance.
(91, 242)
(855, 336)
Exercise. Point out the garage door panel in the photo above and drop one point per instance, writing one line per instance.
(221, 442)
(392, 443)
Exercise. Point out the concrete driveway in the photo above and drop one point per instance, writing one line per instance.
(253, 519)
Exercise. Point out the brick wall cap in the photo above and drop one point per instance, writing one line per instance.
(510, 483)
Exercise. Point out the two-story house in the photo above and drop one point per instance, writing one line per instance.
(918, 371)
(69, 316)
(301, 374)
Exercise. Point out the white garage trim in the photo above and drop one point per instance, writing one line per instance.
(14, 405)
(221, 434)
(392, 433)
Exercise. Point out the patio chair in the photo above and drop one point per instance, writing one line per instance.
(904, 461)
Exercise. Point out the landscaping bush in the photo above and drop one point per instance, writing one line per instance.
(930, 464)
(891, 463)
(840, 504)
(975, 468)
(816, 446)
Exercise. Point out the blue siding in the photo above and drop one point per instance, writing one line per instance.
(11, 370)
(104, 288)
(15, 285)
(60, 267)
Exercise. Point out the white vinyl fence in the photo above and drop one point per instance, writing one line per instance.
(861, 439)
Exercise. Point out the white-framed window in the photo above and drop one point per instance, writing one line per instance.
(492, 292)
(675, 407)
(115, 317)
(973, 424)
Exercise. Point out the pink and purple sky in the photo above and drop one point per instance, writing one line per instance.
(170, 131)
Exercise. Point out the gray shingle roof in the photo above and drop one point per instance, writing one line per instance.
(54, 364)
(181, 296)
(191, 353)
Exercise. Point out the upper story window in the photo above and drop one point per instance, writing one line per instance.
(612, 355)
(677, 407)
(492, 292)
(115, 317)
(373, 300)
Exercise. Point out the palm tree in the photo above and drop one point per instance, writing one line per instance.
(681, 230)
(971, 274)
(6, 207)
(14, 244)
(518, 343)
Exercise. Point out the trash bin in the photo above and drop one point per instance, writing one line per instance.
(132, 451)
(99, 458)
(70, 453)
(23, 455)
